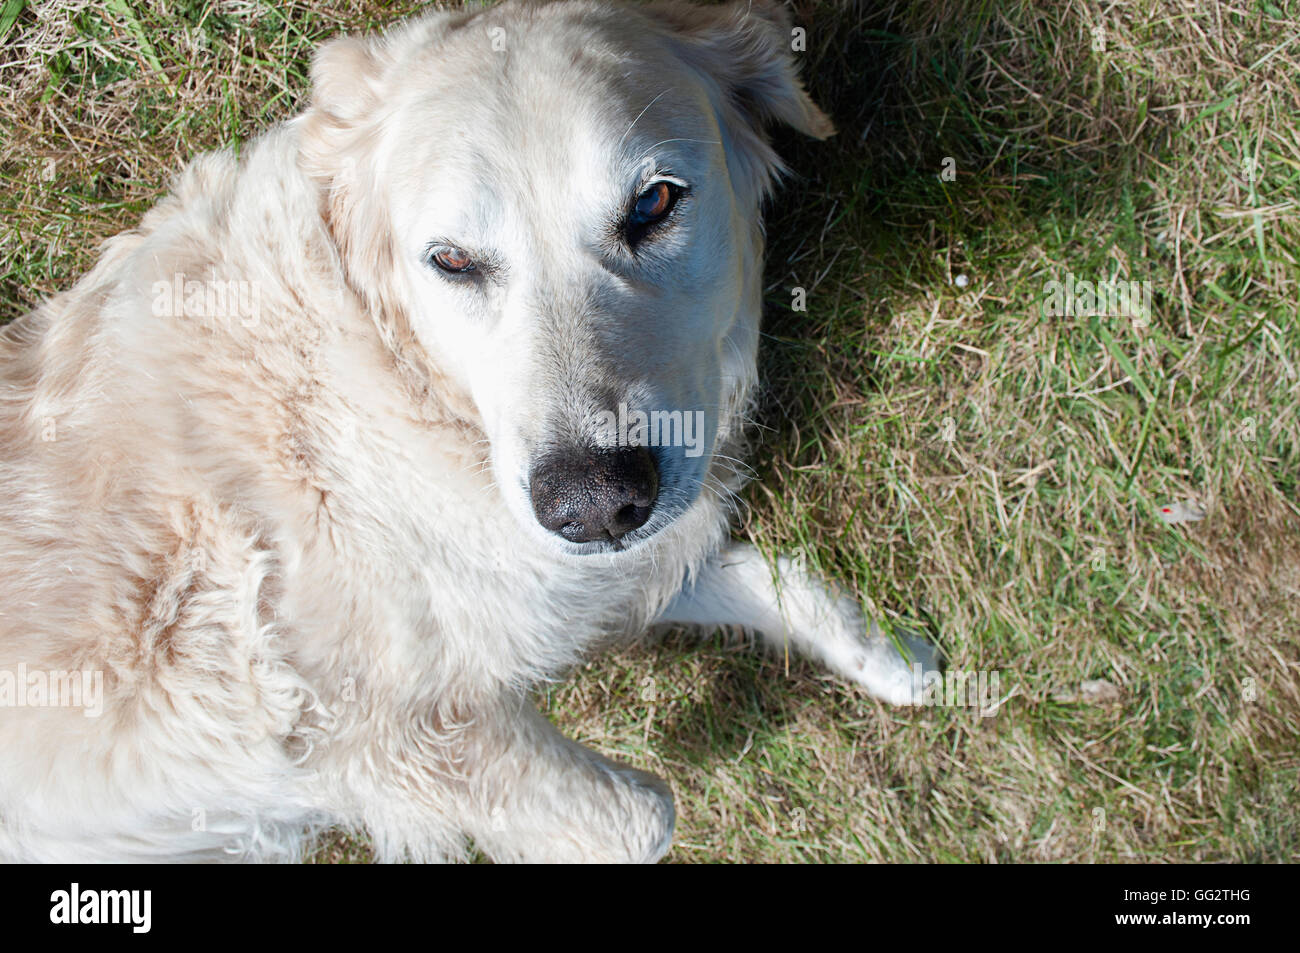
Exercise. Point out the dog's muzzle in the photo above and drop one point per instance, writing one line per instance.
(594, 494)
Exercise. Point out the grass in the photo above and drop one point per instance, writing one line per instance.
(961, 458)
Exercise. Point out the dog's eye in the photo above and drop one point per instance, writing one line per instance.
(654, 202)
(451, 259)
(652, 206)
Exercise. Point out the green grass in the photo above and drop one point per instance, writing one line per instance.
(962, 460)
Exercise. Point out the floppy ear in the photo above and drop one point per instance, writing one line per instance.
(336, 149)
(339, 138)
(346, 74)
(746, 49)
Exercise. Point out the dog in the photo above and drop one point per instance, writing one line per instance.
(360, 437)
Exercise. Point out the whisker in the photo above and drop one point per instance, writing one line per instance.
(643, 112)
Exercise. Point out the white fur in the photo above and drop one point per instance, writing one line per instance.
(297, 544)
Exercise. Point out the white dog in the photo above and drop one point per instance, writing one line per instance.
(359, 437)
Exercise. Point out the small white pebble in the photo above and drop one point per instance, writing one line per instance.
(961, 281)
(1182, 512)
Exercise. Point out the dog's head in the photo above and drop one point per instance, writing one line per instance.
(558, 204)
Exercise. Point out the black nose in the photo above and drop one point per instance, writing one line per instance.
(594, 494)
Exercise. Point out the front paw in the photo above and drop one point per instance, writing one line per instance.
(648, 815)
(899, 678)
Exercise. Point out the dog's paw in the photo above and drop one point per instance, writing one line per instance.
(616, 815)
(894, 676)
(648, 815)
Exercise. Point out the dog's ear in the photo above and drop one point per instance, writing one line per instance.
(337, 138)
(747, 49)
(346, 74)
(335, 148)
(338, 132)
